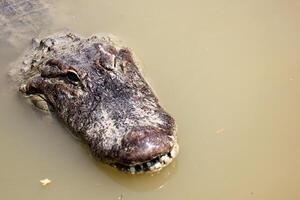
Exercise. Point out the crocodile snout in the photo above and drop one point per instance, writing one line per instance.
(144, 144)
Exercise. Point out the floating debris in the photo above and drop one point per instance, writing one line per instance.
(45, 182)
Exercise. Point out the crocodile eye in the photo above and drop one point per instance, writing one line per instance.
(72, 76)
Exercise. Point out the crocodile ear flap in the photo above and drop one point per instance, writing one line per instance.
(105, 58)
(111, 59)
(124, 59)
(125, 55)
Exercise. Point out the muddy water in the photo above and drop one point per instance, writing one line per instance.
(228, 71)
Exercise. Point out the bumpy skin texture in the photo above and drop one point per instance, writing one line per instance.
(22, 19)
(95, 87)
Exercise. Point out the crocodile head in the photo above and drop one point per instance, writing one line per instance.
(95, 87)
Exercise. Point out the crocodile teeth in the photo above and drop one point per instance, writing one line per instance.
(165, 159)
(149, 164)
(153, 165)
(132, 170)
(173, 153)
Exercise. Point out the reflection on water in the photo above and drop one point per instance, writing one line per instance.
(228, 71)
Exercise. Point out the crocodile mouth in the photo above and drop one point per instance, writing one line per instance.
(153, 165)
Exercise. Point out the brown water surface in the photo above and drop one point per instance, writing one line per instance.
(228, 71)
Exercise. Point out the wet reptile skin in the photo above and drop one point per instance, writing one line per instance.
(95, 87)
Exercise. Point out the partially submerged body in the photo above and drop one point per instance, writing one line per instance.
(95, 87)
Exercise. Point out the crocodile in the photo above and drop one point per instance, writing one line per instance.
(95, 86)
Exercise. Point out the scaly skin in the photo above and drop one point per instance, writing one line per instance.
(95, 87)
